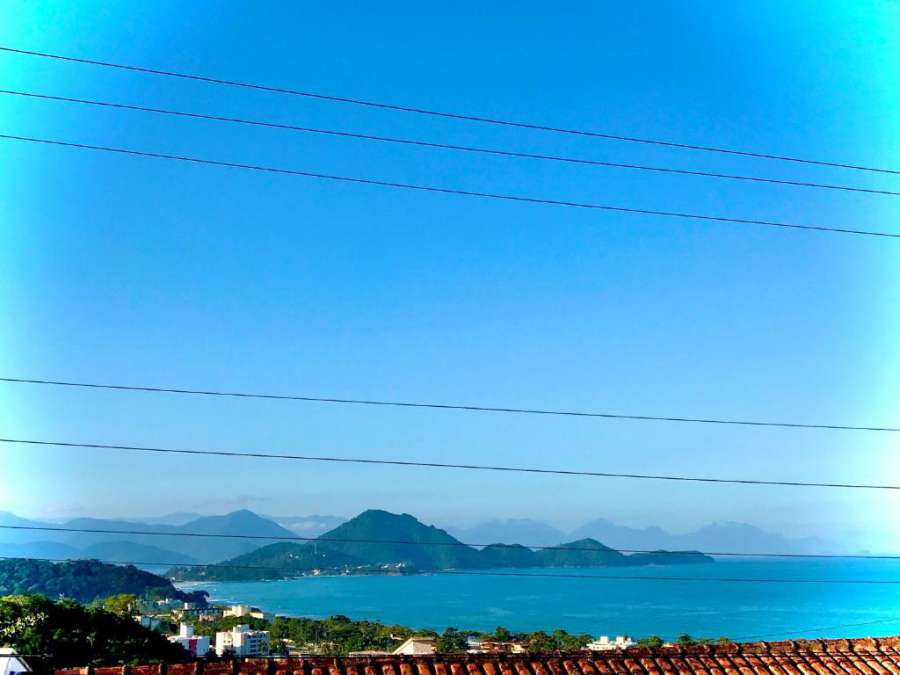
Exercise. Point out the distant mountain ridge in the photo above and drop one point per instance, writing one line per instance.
(723, 537)
(512, 531)
(378, 539)
(171, 546)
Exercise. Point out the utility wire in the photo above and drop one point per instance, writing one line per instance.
(451, 191)
(407, 542)
(447, 115)
(444, 146)
(545, 575)
(441, 406)
(441, 465)
(893, 619)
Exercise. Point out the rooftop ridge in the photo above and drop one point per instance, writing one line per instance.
(869, 656)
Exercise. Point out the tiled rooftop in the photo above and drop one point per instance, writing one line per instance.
(868, 656)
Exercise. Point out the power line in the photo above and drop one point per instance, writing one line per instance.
(448, 115)
(445, 146)
(441, 406)
(440, 465)
(457, 544)
(893, 619)
(451, 191)
(537, 575)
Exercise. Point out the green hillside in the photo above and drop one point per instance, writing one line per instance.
(283, 558)
(581, 553)
(84, 580)
(508, 555)
(440, 550)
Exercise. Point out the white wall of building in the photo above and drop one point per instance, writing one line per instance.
(242, 641)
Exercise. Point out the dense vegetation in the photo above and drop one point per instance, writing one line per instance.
(85, 580)
(409, 546)
(66, 633)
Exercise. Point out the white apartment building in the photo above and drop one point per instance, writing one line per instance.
(241, 641)
(604, 644)
(197, 645)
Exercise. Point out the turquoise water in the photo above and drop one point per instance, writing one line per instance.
(597, 605)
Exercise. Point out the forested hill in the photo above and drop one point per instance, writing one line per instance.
(378, 540)
(84, 580)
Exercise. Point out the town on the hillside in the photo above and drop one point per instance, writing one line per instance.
(245, 640)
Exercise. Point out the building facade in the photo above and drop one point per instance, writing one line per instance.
(417, 646)
(197, 645)
(604, 644)
(242, 641)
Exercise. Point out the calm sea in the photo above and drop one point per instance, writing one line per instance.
(742, 610)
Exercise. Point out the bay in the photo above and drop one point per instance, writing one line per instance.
(597, 604)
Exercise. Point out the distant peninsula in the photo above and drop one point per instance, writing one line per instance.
(376, 541)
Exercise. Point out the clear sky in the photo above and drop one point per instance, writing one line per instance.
(125, 270)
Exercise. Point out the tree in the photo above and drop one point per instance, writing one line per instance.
(539, 641)
(124, 604)
(651, 641)
(71, 634)
(502, 634)
(451, 641)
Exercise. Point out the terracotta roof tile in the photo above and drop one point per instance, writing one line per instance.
(819, 657)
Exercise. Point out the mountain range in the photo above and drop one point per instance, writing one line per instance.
(381, 540)
(169, 547)
(725, 536)
(172, 549)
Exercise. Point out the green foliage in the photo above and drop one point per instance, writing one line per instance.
(686, 640)
(451, 641)
(651, 641)
(558, 640)
(124, 604)
(502, 634)
(336, 635)
(210, 628)
(85, 580)
(69, 633)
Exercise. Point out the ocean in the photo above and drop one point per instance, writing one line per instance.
(597, 605)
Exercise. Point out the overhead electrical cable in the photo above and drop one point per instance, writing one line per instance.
(441, 406)
(451, 191)
(441, 465)
(893, 619)
(537, 575)
(448, 115)
(446, 146)
(452, 544)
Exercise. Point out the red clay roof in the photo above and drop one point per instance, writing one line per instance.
(868, 656)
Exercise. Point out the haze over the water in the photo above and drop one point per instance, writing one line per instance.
(156, 273)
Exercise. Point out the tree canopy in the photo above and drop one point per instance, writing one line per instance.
(65, 633)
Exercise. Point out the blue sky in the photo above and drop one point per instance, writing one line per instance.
(128, 270)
